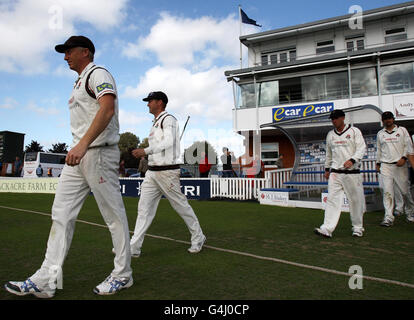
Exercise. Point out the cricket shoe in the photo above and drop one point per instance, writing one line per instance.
(28, 287)
(323, 233)
(386, 223)
(112, 285)
(133, 255)
(410, 218)
(197, 247)
(136, 254)
(357, 234)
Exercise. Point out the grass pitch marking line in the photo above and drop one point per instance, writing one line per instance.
(240, 253)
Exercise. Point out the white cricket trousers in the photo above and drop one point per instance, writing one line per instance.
(97, 172)
(394, 185)
(156, 184)
(351, 184)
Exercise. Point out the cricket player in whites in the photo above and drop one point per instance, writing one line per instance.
(345, 147)
(394, 146)
(91, 165)
(163, 176)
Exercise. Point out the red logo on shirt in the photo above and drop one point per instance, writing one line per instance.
(102, 180)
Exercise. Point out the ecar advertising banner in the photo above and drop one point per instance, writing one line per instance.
(281, 114)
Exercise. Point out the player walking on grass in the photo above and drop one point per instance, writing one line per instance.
(345, 148)
(163, 176)
(394, 145)
(91, 165)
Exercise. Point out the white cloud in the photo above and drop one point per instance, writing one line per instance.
(132, 118)
(9, 103)
(30, 28)
(205, 94)
(178, 41)
(193, 55)
(31, 106)
(64, 71)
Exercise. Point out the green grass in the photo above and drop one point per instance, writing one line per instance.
(166, 271)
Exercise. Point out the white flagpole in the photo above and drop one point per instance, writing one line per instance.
(241, 49)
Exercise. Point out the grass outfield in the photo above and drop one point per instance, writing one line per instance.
(166, 271)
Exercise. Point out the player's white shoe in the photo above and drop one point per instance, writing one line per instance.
(197, 247)
(322, 232)
(112, 285)
(386, 223)
(357, 234)
(136, 254)
(133, 255)
(410, 218)
(28, 287)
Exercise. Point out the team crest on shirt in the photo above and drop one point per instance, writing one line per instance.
(397, 135)
(156, 126)
(104, 86)
(348, 136)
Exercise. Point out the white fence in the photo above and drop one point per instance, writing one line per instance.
(248, 188)
(276, 178)
(237, 188)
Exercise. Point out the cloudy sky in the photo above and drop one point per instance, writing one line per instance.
(181, 47)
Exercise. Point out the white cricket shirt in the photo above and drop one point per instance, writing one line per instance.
(164, 141)
(393, 145)
(341, 147)
(83, 107)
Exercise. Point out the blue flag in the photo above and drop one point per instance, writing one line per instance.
(246, 19)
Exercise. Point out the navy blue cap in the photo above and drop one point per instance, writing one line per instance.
(387, 115)
(157, 95)
(335, 114)
(76, 41)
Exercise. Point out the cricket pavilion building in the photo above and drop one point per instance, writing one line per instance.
(350, 62)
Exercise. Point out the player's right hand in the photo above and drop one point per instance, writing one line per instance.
(401, 162)
(76, 154)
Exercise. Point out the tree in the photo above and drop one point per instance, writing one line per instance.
(128, 142)
(59, 148)
(34, 146)
(192, 155)
(144, 144)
